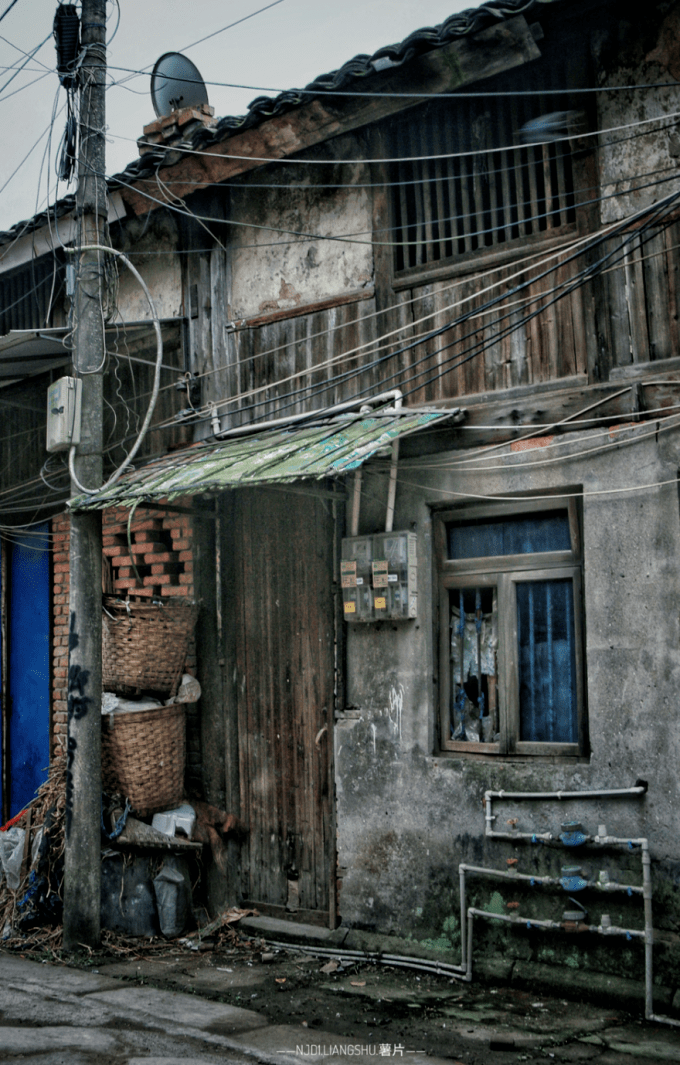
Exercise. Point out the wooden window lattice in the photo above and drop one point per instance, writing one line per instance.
(497, 192)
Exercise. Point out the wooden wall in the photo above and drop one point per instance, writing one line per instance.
(625, 311)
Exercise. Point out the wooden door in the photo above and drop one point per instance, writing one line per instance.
(284, 596)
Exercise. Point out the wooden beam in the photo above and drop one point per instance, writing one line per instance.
(470, 59)
(505, 416)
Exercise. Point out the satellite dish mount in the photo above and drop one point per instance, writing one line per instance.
(177, 84)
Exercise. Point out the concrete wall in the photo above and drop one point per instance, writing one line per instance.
(151, 242)
(646, 154)
(407, 814)
(273, 269)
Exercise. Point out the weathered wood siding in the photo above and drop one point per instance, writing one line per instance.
(626, 312)
(127, 389)
(22, 444)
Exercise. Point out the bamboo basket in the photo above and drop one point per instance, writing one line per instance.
(143, 756)
(144, 644)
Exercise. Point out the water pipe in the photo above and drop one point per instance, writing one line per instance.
(314, 415)
(530, 922)
(402, 961)
(603, 793)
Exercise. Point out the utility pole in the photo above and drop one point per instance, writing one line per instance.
(82, 873)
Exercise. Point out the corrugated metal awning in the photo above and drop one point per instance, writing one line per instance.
(26, 352)
(273, 457)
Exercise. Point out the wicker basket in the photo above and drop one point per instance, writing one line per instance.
(144, 644)
(143, 755)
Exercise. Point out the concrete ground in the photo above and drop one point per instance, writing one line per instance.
(191, 1007)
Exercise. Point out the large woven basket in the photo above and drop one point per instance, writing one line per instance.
(143, 755)
(144, 644)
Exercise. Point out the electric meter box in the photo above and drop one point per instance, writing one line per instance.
(379, 577)
(63, 413)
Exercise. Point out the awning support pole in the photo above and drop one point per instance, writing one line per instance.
(356, 503)
(392, 488)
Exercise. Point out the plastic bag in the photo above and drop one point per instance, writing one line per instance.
(189, 691)
(173, 897)
(11, 855)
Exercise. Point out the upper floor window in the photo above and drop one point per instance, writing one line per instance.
(494, 189)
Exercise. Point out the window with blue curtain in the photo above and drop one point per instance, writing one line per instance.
(514, 673)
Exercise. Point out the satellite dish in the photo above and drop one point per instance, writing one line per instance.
(176, 83)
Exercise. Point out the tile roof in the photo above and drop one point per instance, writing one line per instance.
(348, 76)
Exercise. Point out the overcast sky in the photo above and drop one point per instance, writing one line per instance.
(284, 47)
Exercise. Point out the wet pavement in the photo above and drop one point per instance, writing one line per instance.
(206, 1006)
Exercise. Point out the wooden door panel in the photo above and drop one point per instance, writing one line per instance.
(285, 663)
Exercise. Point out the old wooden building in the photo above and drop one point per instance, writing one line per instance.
(424, 317)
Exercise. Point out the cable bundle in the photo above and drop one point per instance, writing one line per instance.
(67, 40)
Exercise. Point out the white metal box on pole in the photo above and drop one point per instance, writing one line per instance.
(63, 413)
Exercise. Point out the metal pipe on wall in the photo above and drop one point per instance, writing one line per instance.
(324, 412)
(600, 838)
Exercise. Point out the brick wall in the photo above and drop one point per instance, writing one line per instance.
(159, 563)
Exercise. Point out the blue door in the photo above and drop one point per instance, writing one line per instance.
(28, 681)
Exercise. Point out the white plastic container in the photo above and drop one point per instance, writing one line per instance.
(182, 818)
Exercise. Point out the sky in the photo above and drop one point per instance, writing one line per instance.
(284, 47)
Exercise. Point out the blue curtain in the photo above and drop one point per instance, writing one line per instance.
(511, 536)
(547, 663)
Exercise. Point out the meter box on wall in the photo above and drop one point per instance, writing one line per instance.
(379, 577)
(63, 413)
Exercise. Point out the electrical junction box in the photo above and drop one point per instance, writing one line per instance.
(63, 413)
(379, 577)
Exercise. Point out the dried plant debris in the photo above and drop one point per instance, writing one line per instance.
(33, 911)
(31, 914)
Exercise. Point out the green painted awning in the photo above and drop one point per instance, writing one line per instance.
(274, 457)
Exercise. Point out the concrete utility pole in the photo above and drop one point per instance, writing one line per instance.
(82, 874)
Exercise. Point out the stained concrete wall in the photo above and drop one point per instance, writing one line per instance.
(152, 243)
(407, 813)
(636, 153)
(274, 269)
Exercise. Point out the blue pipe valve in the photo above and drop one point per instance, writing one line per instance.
(573, 883)
(573, 839)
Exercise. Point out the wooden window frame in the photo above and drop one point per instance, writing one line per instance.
(505, 572)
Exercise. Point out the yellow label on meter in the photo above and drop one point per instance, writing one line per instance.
(350, 608)
(380, 603)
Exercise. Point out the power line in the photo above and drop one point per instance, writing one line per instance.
(27, 85)
(295, 161)
(377, 343)
(145, 70)
(316, 369)
(28, 153)
(8, 9)
(18, 70)
(346, 238)
(459, 94)
(240, 184)
(29, 55)
(589, 271)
